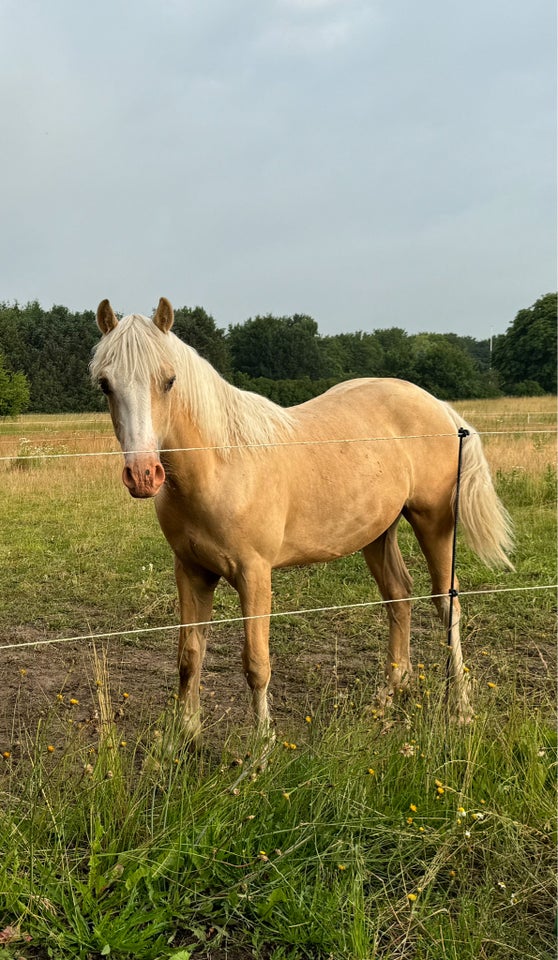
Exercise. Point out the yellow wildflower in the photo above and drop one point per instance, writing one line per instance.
(412, 897)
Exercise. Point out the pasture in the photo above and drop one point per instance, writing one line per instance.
(402, 838)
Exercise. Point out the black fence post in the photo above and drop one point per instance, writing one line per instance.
(461, 433)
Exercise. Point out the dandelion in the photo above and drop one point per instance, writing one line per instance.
(60, 697)
(50, 748)
(285, 795)
(421, 829)
(492, 686)
(341, 866)
(421, 676)
(23, 672)
(263, 856)
(452, 874)
(461, 812)
(125, 696)
(412, 897)
(308, 719)
(440, 791)
(7, 754)
(395, 665)
(409, 820)
(418, 706)
(420, 666)
(124, 742)
(371, 771)
(74, 702)
(413, 807)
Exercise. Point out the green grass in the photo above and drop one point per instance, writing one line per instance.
(412, 839)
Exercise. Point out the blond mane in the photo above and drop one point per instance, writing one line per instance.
(227, 417)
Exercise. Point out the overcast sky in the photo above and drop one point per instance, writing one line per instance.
(373, 163)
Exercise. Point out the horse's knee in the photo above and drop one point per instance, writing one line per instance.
(257, 670)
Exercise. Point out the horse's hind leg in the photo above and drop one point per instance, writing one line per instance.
(386, 565)
(434, 532)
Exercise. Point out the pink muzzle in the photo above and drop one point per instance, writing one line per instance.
(144, 476)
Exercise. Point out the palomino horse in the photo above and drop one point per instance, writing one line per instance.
(242, 486)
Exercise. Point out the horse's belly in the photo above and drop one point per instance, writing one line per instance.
(318, 532)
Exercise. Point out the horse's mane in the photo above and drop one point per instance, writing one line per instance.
(225, 416)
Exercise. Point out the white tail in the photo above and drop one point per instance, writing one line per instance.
(486, 522)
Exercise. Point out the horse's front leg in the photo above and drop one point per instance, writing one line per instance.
(196, 587)
(254, 587)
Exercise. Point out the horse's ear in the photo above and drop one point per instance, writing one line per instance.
(106, 319)
(164, 316)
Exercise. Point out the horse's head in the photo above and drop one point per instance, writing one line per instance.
(132, 368)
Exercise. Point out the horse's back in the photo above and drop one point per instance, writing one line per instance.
(384, 406)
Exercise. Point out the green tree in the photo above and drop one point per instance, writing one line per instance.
(526, 353)
(14, 391)
(397, 353)
(443, 368)
(356, 354)
(279, 348)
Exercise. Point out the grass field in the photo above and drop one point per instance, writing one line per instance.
(403, 838)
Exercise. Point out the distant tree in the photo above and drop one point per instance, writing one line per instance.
(356, 354)
(279, 348)
(397, 353)
(527, 350)
(198, 328)
(52, 348)
(443, 368)
(14, 391)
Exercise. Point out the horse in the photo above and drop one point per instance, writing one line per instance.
(242, 486)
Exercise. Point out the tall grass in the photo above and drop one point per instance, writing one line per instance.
(360, 839)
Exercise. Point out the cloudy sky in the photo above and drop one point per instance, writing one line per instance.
(372, 163)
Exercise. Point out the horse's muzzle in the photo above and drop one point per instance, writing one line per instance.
(144, 477)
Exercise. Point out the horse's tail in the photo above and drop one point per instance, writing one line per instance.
(486, 522)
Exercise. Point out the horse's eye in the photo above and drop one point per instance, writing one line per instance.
(169, 384)
(104, 385)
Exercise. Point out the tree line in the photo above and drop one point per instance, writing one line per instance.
(44, 356)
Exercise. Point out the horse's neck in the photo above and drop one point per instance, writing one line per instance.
(184, 434)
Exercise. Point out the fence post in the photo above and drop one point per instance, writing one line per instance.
(461, 433)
